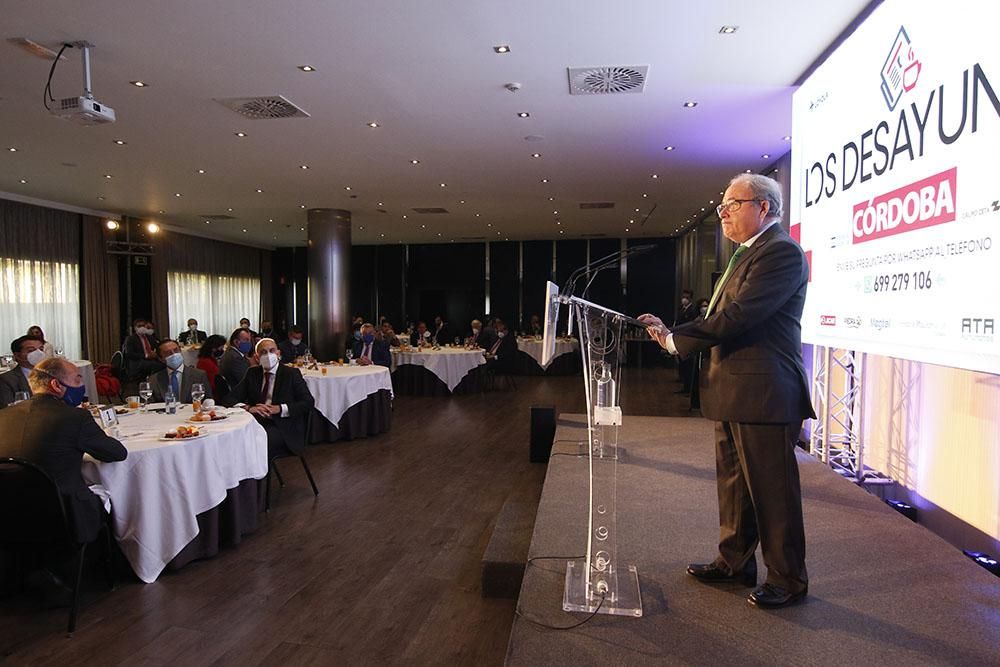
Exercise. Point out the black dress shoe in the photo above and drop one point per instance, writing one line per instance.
(770, 596)
(711, 573)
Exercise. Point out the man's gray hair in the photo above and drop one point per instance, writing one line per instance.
(764, 188)
(45, 370)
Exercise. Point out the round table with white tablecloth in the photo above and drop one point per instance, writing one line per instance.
(450, 365)
(86, 371)
(158, 492)
(559, 364)
(354, 401)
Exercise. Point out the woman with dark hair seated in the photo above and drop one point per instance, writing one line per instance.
(208, 358)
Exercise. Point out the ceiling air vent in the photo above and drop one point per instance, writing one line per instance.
(431, 210)
(607, 80)
(587, 206)
(263, 108)
(218, 217)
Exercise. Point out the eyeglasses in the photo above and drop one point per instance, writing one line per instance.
(732, 205)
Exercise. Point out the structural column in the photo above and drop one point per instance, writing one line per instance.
(329, 281)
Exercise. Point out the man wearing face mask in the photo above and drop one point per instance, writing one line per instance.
(370, 350)
(176, 377)
(49, 431)
(192, 335)
(294, 346)
(28, 351)
(279, 399)
(500, 355)
(238, 357)
(140, 351)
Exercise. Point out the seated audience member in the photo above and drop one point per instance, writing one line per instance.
(475, 339)
(140, 351)
(176, 377)
(421, 336)
(47, 347)
(49, 431)
(28, 353)
(442, 331)
(208, 358)
(535, 326)
(500, 355)
(702, 308)
(389, 334)
(279, 399)
(192, 335)
(267, 330)
(370, 350)
(245, 324)
(238, 357)
(294, 346)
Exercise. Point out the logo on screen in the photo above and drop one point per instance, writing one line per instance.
(852, 322)
(978, 328)
(925, 203)
(901, 69)
(880, 323)
(828, 320)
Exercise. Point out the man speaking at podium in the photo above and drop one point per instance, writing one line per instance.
(753, 385)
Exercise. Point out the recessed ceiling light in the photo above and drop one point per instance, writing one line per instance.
(626, 229)
(347, 187)
(160, 212)
(536, 155)
(560, 231)
(404, 217)
(786, 138)
(653, 176)
(270, 219)
(240, 134)
(120, 142)
(559, 222)
(523, 114)
(439, 233)
(703, 209)
(302, 205)
(201, 171)
(644, 195)
(372, 124)
(552, 198)
(414, 161)
(178, 194)
(361, 227)
(102, 199)
(380, 235)
(636, 210)
(423, 226)
(259, 190)
(444, 185)
(631, 222)
(502, 48)
(111, 224)
(728, 29)
(12, 149)
(690, 104)
(489, 224)
(152, 228)
(668, 148)
(378, 203)
(748, 171)
(244, 231)
(461, 201)
(555, 212)
(302, 229)
(230, 210)
(139, 84)
(107, 176)
(766, 156)
(303, 166)
(545, 180)
(306, 68)
(477, 215)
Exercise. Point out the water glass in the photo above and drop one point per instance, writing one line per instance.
(145, 392)
(197, 391)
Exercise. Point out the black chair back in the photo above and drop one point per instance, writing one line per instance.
(222, 388)
(118, 364)
(31, 508)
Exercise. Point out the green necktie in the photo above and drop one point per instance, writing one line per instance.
(722, 280)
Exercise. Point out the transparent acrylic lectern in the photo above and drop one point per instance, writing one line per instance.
(600, 582)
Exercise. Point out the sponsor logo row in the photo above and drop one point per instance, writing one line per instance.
(980, 329)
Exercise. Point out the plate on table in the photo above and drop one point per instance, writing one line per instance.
(198, 433)
(213, 418)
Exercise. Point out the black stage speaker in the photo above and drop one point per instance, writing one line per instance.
(543, 432)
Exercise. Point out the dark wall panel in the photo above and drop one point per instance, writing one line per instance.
(606, 286)
(537, 269)
(363, 281)
(651, 277)
(389, 284)
(504, 286)
(446, 279)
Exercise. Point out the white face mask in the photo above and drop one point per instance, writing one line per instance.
(501, 334)
(192, 328)
(704, 309)
(174, 361)
(295, 341)
(475, 332)
(34, 357)
(269, 361)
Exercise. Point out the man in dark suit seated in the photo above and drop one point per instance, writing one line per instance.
(421, 336)
(51, 432)
(140, 351)
(371, 350)
(279, 399)
(192, 335)
(294, 346)
(500, 355)
(754, 386)
(27, 352)
(442, 331)
(238, 357)
(176, 377)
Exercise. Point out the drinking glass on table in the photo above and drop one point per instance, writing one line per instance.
(20, 396)
(349, 354)
(197, 393)
(145, 392)
(458, 341)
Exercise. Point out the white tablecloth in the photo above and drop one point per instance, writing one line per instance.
(533, 348)
(89, 378)
(159, 490)
(451, 364)
(344, 386)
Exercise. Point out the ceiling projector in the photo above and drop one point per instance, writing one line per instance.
(83, 110)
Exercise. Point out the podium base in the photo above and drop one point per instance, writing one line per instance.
(620, 599)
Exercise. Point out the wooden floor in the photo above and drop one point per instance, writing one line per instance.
(383, 567)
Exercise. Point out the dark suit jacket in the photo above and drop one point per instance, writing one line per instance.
(503, 360)
(184, 337)
(290, 389)
(380, 352)
(133, 350)
(160, 382)
(754, 372)
(51, 434)
(12, 382)
(415, 338)
(445, 335)
(686, 313)
(289, 351)
(233, 366)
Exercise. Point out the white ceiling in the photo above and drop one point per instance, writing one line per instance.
(427, 72)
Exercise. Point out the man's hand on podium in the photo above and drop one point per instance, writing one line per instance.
(656, 329)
